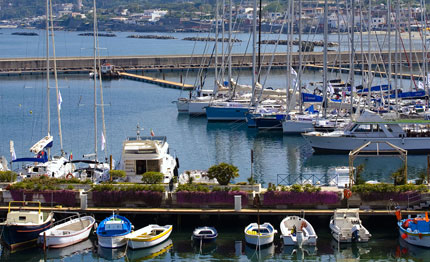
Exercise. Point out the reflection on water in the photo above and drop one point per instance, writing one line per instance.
(151, 252)
(230, 245)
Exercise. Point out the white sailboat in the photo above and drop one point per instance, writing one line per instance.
(42, 163)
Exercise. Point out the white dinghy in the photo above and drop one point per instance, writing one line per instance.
(67, 232)
(297, 231)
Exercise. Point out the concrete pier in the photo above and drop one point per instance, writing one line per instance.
(18, 66)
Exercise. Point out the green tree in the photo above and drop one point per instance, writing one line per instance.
(399, 176)
(223, 172)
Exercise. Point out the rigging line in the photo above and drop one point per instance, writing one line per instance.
(106, 149)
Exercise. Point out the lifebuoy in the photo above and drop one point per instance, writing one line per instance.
(347, 193)
(69, 175)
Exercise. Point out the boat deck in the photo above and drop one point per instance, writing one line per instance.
(79, 225)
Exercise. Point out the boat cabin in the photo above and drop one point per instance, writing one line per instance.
(147, 154)
(25, 217)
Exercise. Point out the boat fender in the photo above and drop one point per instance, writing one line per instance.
(303, 225)
(405, 224)
(69, 176)
(404, 236)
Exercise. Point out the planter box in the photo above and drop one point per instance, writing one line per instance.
(55, 197)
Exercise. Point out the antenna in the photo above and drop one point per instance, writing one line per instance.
(138, 129)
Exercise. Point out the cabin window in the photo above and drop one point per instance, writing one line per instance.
(363, 128)
(143, 166)
(22, 218)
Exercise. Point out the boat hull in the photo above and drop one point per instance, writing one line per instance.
(226, 113)
(259, 240)
(182, 105)
(136, 243)
(20, 236)
(112, 242)
(66, 238)
(197, 108)
(268, 123)
(342, 145)
(296, 127)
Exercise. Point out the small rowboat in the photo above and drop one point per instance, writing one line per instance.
(415, 231)
(149, 236)
(113, 230)
(259, 235)
(67, 233)
(205, 234)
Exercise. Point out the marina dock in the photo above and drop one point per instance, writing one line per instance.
(160, 82)
(215, 211)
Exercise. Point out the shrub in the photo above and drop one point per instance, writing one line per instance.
(7, 176)
(115, 174)
(296, 188)
(222, 197)
(192, 188)
(223, 172)
(272, 198)
(152, 178)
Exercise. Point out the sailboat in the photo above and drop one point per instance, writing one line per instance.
(57, 166)
(95, 170)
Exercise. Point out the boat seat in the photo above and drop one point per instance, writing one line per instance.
(60, 232)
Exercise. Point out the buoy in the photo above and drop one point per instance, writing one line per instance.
(398, 215)
(347, 193)
(404, 236)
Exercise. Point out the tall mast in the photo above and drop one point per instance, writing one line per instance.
(389, 42)
(254, 36)
(325, 102)
(369, 54)
(230, 47)
(216, 47)
(95, 76)
(47, 74)
(299, 79)
(352, 57)
(410, 44)
(424, 43)
(397, 60)
(54, 58)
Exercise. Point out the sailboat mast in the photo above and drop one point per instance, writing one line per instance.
(57, 92)
(95, 77)
(325, 102)
(254, 37)
(230, 47)
(47, 74)
(352, 57)
(389, 42)
(300, 58)
(216, 46)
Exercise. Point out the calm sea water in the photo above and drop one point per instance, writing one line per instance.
(197, 143)
(385, 245)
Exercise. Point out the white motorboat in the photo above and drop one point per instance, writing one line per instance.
(67, 233)
(370, 127)
(297, 231)
(346, 227)
(141, 154)
(259, 235)
(196, 176)
(298, 124)
(149, 236)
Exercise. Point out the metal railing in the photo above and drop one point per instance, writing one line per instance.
(313, 179)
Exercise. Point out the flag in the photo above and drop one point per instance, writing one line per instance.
(152, 132)
(330, 88)
(60, 100)
(71, 156)
(420, 85)
(12, 150)
(103, 142)
(293, 72)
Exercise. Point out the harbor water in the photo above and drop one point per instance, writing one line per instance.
(197, 143)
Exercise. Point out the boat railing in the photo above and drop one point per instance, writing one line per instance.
(69, 218)
(312, 179)
(24, 203)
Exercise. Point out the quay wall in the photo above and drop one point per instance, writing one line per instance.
(179, 62)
